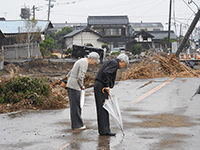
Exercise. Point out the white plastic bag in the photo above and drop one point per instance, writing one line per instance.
(82, 99)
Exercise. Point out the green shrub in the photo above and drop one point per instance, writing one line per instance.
(68, 56)
(105, 46)
(115, 53)
(20, 88)
(53, 56)
(68, 51)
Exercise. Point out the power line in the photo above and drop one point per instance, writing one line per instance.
(134, 7)
(52, 5)
(189, 6)
(150, 9)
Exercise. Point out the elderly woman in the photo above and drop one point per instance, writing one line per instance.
(75, 85)
(105, 80)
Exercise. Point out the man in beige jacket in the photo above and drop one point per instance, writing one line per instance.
(75, 85)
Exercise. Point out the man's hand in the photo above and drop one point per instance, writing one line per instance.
(107, 90)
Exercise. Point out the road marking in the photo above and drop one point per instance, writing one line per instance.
(67, 145)
(153, 90)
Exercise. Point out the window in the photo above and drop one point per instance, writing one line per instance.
(145, 38)
(156, 29)
(113, 32)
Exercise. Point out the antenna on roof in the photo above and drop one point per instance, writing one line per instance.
(5, 14)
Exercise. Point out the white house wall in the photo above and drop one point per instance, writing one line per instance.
(87, 37)
(68, 42)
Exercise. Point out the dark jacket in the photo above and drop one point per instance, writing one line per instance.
(107, 72)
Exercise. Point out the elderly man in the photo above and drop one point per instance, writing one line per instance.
(75, 85)
(105, 80)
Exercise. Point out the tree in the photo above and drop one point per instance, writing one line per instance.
(164, 43)
(105, 46)
(58, 37)
(32, 33)
(47, 45)
(136, 49)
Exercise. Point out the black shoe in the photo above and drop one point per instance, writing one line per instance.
(108, 134)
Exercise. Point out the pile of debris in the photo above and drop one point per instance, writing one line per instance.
(155, 66)
(57, 99)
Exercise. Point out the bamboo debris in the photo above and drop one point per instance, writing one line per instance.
(155, 66)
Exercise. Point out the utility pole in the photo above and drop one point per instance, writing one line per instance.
(189, 31)
(49, 9)
(34, 11)
(169, 24)
(180, 33)
(35, 8)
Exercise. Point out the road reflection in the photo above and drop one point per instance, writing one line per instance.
(104, 143)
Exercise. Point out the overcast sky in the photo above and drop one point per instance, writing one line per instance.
(136, 10)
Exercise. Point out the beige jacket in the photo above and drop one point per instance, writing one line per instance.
(77, 74)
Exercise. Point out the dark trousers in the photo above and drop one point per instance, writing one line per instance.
(102, 114)
(75, 110)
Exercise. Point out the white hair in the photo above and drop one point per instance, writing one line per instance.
(123, 57)
(94, 55)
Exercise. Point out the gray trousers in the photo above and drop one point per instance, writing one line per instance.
(102, 114)
(75, 110)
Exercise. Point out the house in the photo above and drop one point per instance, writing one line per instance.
(145, 38)
(83, 36)
(12, 29)
(159, 35)
(15, 44)
(115, 30)
(58, 26)
(152, 39)
(147, 26)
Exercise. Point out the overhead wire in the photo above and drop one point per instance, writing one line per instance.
(189, 6)
(150, 9)
(142, 5)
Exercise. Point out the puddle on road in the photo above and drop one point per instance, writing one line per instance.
(162, 120)
(170, 141)
(168, 144)
(167, 140)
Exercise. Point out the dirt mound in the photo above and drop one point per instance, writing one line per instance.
(38, 66)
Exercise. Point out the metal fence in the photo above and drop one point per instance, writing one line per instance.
(21, 51)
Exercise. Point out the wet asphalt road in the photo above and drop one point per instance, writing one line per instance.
(166, 119)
